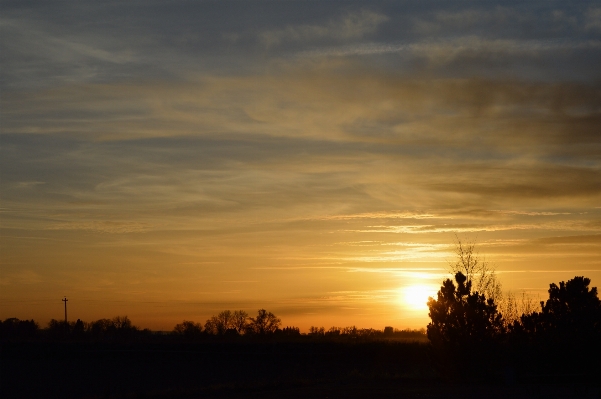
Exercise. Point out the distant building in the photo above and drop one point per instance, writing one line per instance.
(388, 330)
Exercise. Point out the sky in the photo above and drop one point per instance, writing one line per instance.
(167, 160)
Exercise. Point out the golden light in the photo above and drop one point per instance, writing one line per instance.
(416, 296)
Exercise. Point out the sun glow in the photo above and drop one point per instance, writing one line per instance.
(416, 296)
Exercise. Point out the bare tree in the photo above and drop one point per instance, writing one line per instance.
(238, 322)
(513, 307)
(317, 331)
(350, 331)
(483, 279)
(188, 329)
(219, 324)
(225, 319)
(264, 323)
(480, 273)
(122, 323)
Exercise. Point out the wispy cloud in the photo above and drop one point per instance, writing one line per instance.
(352, 25)
(593, 19)
(102, 226)
(448, 49)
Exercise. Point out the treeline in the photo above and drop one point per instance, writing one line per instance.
(228, 323)
(119, 328)
(225, 324)
(232, 323)
(354, 332)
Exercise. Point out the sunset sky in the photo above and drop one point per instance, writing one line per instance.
(166, 160)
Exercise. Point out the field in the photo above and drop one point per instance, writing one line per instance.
(257, 369)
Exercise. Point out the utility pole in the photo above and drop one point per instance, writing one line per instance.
(65, 300)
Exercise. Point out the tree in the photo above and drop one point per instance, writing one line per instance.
(480, 273)
(460, 317)
(188, 329)
(565, 334)
(291, 331)
(122, 323)
(317, 331)
(20, 329)
(572, 313)
(218, 325)
(119, 327)
(513, 308)
(57, 329)
(350, 331)
(334, 331)
(464, 330)
(238, 323)
(78, 329)
(101, 328)
(264, 323)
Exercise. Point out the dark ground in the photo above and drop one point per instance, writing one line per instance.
(256, 369)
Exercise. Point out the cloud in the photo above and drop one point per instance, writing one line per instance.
(381, 215)
(112, 227)
(524, 181)
(443, 51)
(593, 19)
(21, 277)
(36, 55)
(353, 25)
(585, 239)
(307, 144)
(28, 184)
(493, 21)
(321, 103)
(533, 213)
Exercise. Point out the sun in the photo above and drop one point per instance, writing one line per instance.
(416, 296)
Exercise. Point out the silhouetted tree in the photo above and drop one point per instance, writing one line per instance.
(334, 331)
(513, 308)
(565, 335)
(290, 331)
(117, 328)
(219, 324)
(264, 323)
(460, 317)
(188, 329)
(317, 331)
(122, 323)
(123, 328)
(463, 330)
(572, 313)
(78, 329)
(100, 328)
(478, 272)
(239, 321)
(350, 331)
(14, 328)
(57, 329)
